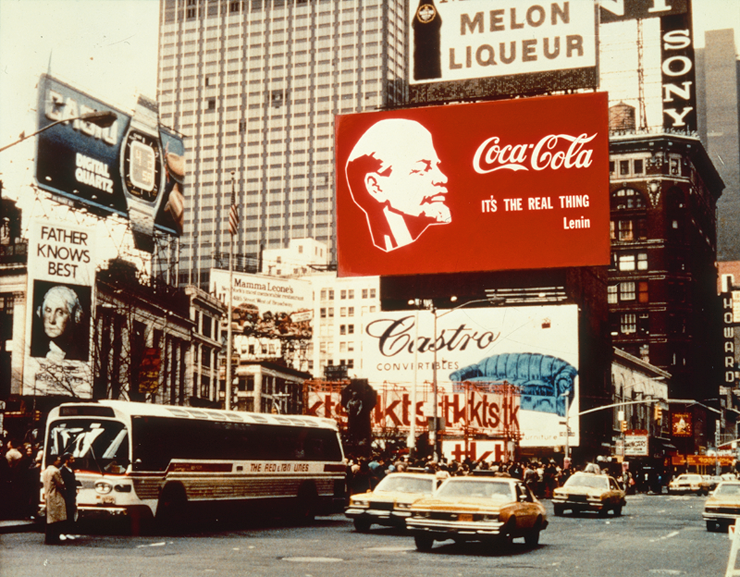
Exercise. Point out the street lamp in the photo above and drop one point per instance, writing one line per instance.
(428, 304)
(102, 119)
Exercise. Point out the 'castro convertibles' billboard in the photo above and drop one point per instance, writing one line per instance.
(515, 184)
(499, 370)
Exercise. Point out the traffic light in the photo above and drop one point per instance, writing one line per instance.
(658, 413)
(623, 426)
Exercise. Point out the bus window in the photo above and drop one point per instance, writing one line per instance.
(97, 445)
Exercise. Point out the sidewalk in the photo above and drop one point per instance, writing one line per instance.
(18, 526)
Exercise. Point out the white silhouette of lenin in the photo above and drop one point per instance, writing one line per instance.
(394, 177)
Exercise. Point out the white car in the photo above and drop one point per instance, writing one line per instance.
(689, 483)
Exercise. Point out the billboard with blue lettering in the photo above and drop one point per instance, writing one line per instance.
(134, 167)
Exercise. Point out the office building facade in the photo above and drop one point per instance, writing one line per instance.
(254, 87)
(718, 88)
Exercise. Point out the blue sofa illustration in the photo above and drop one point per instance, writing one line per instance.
(541, 379)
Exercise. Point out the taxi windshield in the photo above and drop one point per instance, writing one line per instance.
(467, 488)
(589, 481)
(402, 484)
(96, 444)
(728, 489)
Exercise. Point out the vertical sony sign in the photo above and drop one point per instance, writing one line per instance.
(677, 73)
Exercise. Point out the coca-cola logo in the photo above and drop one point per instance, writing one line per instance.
(554, 151)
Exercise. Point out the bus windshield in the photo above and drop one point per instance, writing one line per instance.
(97, 444)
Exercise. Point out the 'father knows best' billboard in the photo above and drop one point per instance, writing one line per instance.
(516, 184)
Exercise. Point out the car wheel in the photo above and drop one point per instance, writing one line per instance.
(603, 511)
(617, 510)
(362, 525)
(559, 509)
(532, 537)
(423, 542)
(712, 526)
(506, 536)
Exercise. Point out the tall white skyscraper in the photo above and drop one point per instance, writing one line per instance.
(254, 86)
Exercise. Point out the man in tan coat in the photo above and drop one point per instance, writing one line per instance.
(56, 509)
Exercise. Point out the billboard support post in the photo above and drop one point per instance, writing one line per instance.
(567, 425)
(412, 433)
(227, 388)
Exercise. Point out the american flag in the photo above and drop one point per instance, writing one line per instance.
(233, 211)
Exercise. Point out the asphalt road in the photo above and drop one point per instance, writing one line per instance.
(657, 535)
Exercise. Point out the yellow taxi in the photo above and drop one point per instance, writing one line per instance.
(723, 506)
(477, 508)
(689, 483)
(389, 503)
(589, 492)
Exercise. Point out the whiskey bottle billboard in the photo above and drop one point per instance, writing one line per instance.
(427, 26)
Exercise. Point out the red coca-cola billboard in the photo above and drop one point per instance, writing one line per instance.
(516, 184)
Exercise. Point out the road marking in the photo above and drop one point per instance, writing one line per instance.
(669, 536)
(162, 544)
(313, 559)
(390, 549)
(667, 571)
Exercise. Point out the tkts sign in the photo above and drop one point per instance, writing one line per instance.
(477, 411)
(502, 185)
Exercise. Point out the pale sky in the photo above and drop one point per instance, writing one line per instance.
(109, 49)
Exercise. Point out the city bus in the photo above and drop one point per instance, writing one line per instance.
(145, 461)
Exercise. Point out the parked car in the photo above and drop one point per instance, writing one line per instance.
(472, 508)
(723, 506)
(689, 483)
(589, 492)
(389, 503)
(713, 481)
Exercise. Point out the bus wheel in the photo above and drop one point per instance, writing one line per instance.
(172, 508)
(306, 503)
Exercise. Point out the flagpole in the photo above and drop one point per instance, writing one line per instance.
(227, 400)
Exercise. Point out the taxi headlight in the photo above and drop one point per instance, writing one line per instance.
(359, 503)
(403, 505)
(103, 487)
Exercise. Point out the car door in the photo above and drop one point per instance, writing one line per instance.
(614, 492)
(527, 510)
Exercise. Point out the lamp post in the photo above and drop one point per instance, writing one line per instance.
(428, 304)
(102, 119)
(435, 423)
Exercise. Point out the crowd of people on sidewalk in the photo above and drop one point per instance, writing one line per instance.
(21, 479)
(20, 474)
(541, 476)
